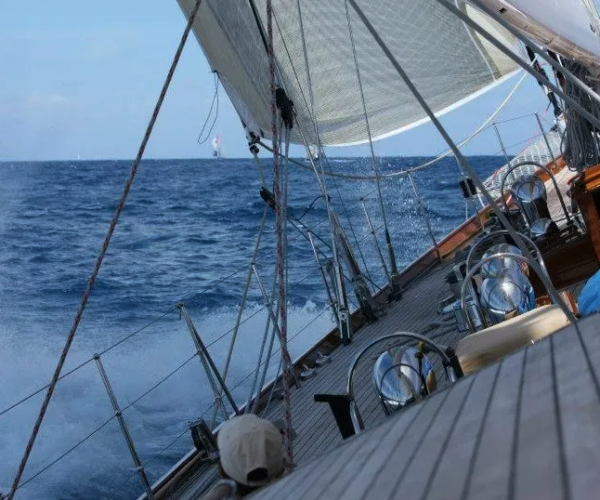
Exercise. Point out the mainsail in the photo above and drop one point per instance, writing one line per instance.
(569, 27)
(448, 62)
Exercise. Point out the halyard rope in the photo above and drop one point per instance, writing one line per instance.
(287, 448)
(101, 255)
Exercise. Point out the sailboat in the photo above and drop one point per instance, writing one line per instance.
(216, 146)
(312, 153)
(487, 389)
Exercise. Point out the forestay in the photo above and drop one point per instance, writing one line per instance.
(448, 62)
(569, 27)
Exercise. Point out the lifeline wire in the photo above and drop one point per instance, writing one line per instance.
(157, 384)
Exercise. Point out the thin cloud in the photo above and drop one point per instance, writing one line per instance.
(46, 102)
(109, 44)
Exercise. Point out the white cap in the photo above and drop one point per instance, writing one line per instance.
(247, 443)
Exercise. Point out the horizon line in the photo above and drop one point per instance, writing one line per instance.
(65, 160)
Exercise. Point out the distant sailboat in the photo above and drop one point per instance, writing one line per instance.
(216, 145)
(312, 153)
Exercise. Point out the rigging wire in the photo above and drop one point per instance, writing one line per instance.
(34, 393)
(305, 327)
(391, 253)
(280, 254)
(215, 99)
(63, 455)
(319, 176)
(322, 180)
(347, 216)
(213, 285)
(579, 145)
(160, 382)
(84, 363)
(105, 423)
(155, 457)
(191, 298)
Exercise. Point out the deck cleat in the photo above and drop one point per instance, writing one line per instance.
(307, 372)
(322, 359)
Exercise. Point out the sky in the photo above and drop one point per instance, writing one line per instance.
(80, 80)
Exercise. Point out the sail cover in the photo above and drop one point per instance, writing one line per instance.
(569, 27)
(448, 62)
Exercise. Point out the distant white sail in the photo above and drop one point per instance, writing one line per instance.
(447, 61)
(312, 152)
(569, 27)
(216, 146)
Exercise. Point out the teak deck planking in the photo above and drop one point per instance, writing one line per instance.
(469, 441)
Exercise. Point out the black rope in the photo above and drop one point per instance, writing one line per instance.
(202, 137)
(307, 208)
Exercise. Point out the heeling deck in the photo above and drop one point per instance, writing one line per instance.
(317, 432)
(527, 427)
(313, 422)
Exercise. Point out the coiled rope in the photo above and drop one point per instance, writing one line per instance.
(100, 258)
(580, 144)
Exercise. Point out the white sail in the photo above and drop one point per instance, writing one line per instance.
(312, 152)
(216, 146)
(448, 62)
(569, 27)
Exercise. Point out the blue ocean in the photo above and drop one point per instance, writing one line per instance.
(186, 235)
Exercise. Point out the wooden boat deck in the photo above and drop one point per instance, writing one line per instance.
(482, 438)
(527, 427)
